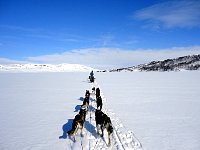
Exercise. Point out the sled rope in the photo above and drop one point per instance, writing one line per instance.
(70, 145)
(96, 144)
(90, 120)
(81, 143)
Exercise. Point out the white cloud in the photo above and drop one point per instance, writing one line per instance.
(104, 58)
(106, 39)
(184, 13)
(11, 61)
(108, 58)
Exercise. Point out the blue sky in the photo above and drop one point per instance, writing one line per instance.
(71, 31)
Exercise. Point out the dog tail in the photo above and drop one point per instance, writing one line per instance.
(110, 128)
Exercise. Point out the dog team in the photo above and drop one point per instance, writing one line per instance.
(102, 120)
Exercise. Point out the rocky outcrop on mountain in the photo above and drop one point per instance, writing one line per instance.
(191, 62)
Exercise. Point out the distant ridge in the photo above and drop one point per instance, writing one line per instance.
(190, 62)
(44, 68)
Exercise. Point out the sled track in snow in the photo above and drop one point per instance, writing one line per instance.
(121, 139)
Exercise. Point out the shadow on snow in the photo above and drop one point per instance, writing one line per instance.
(66, 127)
(77, 108)
(90, 128)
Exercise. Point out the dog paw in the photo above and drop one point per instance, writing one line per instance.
(109, 145)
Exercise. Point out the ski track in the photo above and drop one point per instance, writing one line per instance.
(121, 139)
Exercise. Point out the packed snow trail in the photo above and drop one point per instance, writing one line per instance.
(121, 139)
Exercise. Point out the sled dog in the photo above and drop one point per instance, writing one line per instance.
(85, 104)
(104, 122)
(87, 93)
(78, 122)
(99, 103)
(97, 92)
(86, 100)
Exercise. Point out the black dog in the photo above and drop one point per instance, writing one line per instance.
(78, 122)
(87, 93)
(91, 79)
(104, 122)
(99, 103)
(97, 92)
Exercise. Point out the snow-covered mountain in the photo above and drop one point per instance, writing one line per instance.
(190, 62)
(45, 68)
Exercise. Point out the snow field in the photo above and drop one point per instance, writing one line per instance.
(44, 68)
(34, 108)
(37, 109)
(161, 108)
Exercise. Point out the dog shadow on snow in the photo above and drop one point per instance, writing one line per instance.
(78, 107)
(90, 128)
(87, 125)
(81, 99)
(66, 127)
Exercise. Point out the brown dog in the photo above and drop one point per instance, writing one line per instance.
(78, 122)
